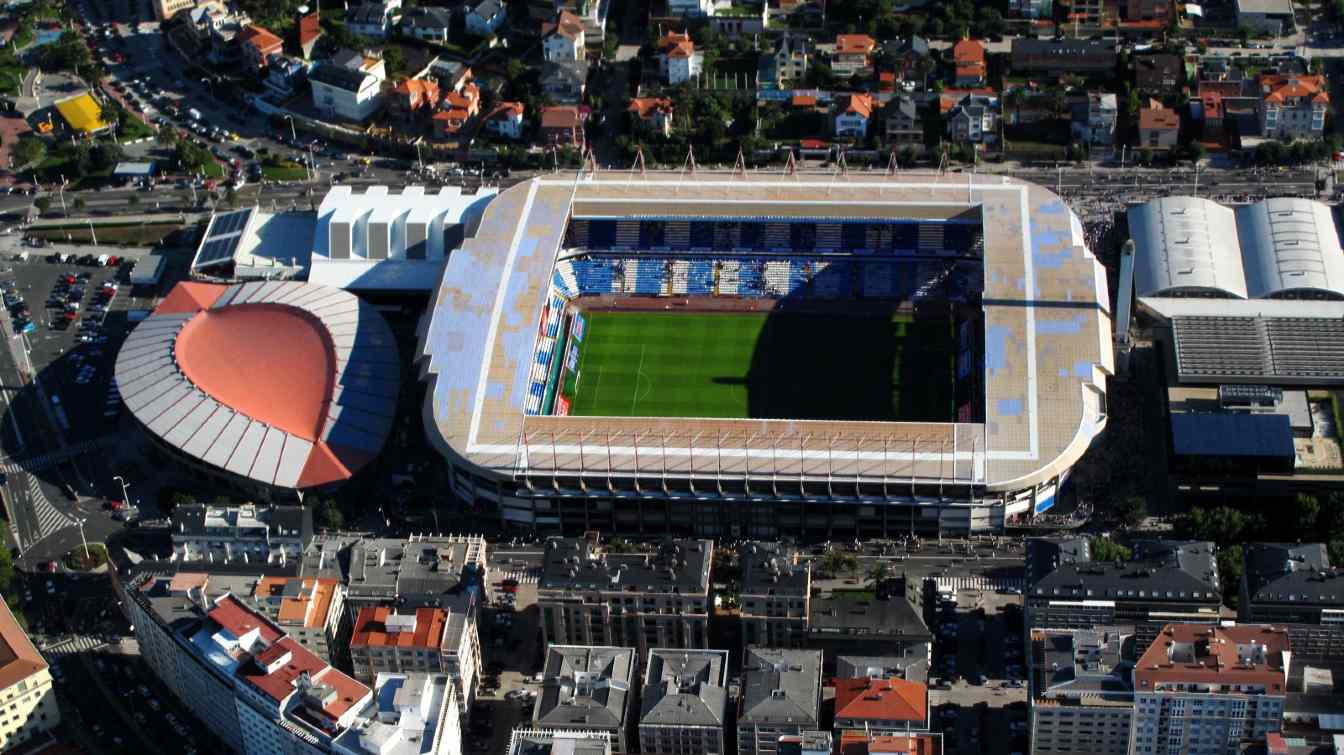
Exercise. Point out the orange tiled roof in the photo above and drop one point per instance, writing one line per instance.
(309, 610)
(646, 106)
(1200, 653)
(1159, 118)
(19, 658)
(560, 116)
(881, 699)
(371, 627)
(310, 28)
(1278, 88)
(508, 110)
(566, 25)
(854, 44)
(675, 45)
(860, 104)
(968, 51)
(261, 38)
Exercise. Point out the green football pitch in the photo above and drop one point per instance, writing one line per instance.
(888, 367)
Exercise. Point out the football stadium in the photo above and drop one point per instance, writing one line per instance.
(726, 354)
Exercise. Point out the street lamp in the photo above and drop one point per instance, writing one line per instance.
(81, 522)
(292, 135)
(125, 497)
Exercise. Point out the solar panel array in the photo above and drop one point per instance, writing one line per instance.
(1275, 350)
(222, 238)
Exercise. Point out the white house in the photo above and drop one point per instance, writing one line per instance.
(427, 23)
(677, 58)
(690, 7)
(350, 94)
(284, 73)
(564, 39)
(486, 18)
(375, 19)
(506, 120)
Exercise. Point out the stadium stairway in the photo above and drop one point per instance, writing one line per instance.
(729, 277)
(931, 238)
(828, 237)
(800, 272)
(680, 275)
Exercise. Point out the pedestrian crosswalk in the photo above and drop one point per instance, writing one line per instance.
(49, 519)
(978, 583)
(76, 644)
(524, 576)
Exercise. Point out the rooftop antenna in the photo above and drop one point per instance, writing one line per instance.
(589, 161)
(790, 167)
(841, 169)
(893, 167)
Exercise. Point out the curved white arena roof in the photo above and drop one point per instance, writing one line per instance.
(1274, 248)
(1186, 244)
(1290, 245)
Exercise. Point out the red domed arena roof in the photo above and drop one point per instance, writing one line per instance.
(289, 384)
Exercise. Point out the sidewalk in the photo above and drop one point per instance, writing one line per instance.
(146, 219)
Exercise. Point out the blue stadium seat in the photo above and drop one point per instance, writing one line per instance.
(701, 277)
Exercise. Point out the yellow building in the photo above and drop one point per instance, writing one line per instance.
(83, 113)
(27, 699)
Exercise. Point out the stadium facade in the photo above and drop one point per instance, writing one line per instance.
(1031, 351)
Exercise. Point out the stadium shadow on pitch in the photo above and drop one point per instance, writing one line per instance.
(851, 359)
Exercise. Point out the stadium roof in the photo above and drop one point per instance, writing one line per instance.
(1047, 342)
(1278, 247)
(83, 113)
(288, 384)
(381, 240)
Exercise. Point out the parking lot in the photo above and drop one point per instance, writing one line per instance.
(978, 663)
(510, 638)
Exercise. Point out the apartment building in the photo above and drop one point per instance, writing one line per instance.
(255, 688)
(256, 534)
(643, 599)
(776, 595)
(1294, 585)
(684, 704)
(1165, 580)
(881, 705)
(588, 689)
(1293, 107)
(781, 698)
(409, 714)
(884, 623)
(27, 699)
(419, 571)
(311, 610)
(426, 640)
(1082, 693)
(1094, 118)
(1209, 690)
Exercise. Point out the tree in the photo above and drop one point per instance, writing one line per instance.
(42, 204)
(170, 499)
(108, 112)
(27, 151)
(394, 60)
(835, 561)
(879, 573)
(79, 203)
(328, 516)
(1131, 512)
(1108, 550)
(6, 571)
(166, 136)
(1306, 513)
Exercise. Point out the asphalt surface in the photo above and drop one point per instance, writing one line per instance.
(58, 437)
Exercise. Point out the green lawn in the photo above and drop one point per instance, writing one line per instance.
(285, 171)
(882, 367)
